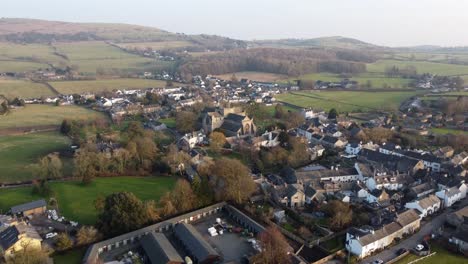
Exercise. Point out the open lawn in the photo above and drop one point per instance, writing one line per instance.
(23, 89)
(70, 87)
(346, 101)
(421, 66)
(71, 257)
(19, 154)
(442, 256)
(169, 122)
(254, 76)
(76, 201)
(41, 115)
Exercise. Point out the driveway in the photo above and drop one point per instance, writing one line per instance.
(427, 228)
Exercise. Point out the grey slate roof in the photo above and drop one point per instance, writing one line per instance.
(194, 242)
(8, 237)
(159, 250)
(235, 118)
(28, 206)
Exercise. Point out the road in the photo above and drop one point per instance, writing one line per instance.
(427, 228)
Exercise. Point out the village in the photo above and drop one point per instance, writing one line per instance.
(347, 191)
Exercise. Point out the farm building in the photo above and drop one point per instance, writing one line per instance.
(31, 208)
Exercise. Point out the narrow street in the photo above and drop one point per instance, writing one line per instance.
(427, 228)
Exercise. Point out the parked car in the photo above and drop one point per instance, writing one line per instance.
(51, 235)
(378, 261)
(419, 247)
(401, 251)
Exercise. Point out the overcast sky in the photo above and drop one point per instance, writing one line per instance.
(383, 22)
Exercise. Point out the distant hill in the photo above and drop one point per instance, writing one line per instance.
(325, 42)
(21, 30)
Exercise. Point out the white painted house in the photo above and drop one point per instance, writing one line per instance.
(363, 243)
(426, 206)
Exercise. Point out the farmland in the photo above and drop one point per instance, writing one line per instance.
(347, 101)
(421, 66)
(42, 115)
(76, 201)
(377, 80)
(23, 89)
(255, 76)
(72, 87)
(446, 131)
(162, 45)
(19, 154)
(92, 57)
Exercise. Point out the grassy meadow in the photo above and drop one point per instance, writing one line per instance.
(377, 80)
(92, 56)
(347, 101)
(40, 115)
(71, 87)
(442, 256)
(421, 66)
(76, 201)
(19, 154)
(23, 89)
(255, 76)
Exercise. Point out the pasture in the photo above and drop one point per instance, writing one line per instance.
(446, 131)
(19, 154)
(254, 76)
(421, 66)
(161, 45)
(95, 86)
(23, 89)
(76, 201)
(377, 80)
(347, 101)
(42, 115)
(95, 57)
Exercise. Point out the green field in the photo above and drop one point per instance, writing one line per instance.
(377, 80)
(8, 65)
(442, 256)
(26, 57)
(71, 87)
(445, 131)
(19, 154)
(91, 56)
(71, 257)
(346, 101)
(23, 89)
(169, 122)
(76, 201)
(421, 66)
(39, 115)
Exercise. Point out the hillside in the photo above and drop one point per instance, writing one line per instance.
(325, 42)
(20, 30)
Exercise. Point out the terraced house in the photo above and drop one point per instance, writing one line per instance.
(363, 242)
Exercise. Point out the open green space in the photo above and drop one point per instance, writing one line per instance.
(9, 65)
(170, 122)
(71, 87)
(442, 256)
(91, 57)
(445, 131)
(346, 101)
(71, 257)
(23, 89)
(421, 67)
(376, 80)
(40, 115)
(19, 154)
(76, 201)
